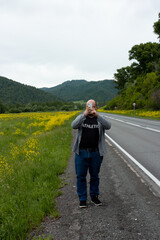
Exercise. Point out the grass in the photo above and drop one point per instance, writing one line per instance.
(30, 166)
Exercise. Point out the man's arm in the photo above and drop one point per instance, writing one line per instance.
(105, 123)
(78, 121)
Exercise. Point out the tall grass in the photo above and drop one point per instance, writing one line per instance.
(31, 160)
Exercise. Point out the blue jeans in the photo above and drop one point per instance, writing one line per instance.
(83, 162)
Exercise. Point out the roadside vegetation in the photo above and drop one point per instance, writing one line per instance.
(155, 115)
(139, 83)
(39, 107)
(34, 150)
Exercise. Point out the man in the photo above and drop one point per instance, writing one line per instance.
(89, 149)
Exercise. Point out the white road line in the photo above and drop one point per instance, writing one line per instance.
(135, 125)
(150, 175)
(152, 129)
(108, 142)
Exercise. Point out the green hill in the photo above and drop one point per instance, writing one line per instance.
(77, 90)
(14, 92)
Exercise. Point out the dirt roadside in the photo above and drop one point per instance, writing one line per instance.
(130, 211)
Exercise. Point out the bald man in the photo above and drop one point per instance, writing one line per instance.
(89, 149)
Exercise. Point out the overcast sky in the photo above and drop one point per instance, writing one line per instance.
(46, 42)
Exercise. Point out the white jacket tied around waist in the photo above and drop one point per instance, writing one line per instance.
(103, 124)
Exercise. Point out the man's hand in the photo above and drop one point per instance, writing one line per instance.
(94, 113)
(90, 112)
(87, 111)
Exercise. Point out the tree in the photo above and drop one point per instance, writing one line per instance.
(156, 27)
(2, 107)
(147, 56)
(122, 76)
(155, 97)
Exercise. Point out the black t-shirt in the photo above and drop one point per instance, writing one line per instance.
(90, 133)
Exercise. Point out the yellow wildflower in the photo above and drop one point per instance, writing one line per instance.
(4, 166)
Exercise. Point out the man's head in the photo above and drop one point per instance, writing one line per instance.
(91, 104)
(92, 107)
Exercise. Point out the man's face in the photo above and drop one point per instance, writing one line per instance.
(91, 105)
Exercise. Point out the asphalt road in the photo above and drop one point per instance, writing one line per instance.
(129, 210)
(140, 138)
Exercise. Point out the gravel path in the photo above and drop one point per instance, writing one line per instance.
(129, 210)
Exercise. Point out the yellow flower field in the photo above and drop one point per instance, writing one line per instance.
(34, 151)
(155, 114)
(28, 126)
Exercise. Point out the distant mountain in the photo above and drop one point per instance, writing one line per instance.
(77, 90)
(14, 92)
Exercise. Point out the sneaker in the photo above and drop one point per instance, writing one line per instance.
(82, 204)
(96, 201)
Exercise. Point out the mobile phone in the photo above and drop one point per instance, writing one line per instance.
(90, 105)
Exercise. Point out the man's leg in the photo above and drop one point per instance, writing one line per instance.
(94, 169)
(81, 165)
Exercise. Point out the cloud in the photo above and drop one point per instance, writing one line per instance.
(44, 43)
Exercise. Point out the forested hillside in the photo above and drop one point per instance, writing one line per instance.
(14, 92)
(16, 97)
(77, 90)
(140, 82)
